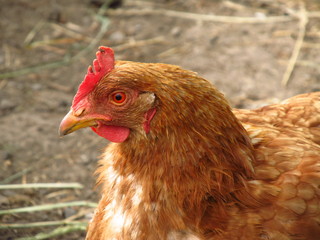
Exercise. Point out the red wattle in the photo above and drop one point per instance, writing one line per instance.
(147, 119)
(115, 134)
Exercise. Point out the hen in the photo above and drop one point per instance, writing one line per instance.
(184, 165)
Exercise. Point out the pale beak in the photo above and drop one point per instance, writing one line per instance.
(71, 123)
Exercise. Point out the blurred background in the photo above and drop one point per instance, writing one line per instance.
(255, 52)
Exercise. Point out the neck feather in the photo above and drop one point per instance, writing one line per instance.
(196, 152)
(200, 156)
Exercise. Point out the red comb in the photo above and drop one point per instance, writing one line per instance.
(101, 66)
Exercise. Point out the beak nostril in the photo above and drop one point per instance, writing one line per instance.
(79, 112)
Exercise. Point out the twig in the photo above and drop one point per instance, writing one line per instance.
(59, 87)
(70, 32)
(313, 34)
(315, 14)
(40, 224)
(47, 207)
(297, 47)
(104, 26)
(55, 233)
(56, 41)
(58, 193)
(202, 17)
(67, 59)
(79, 214)
(309, 64)
(3, 83)
(303, 63)
(172, 51)
(52, 48)
(41, 185)
(7, 55)
(139, 43)
(96, 40)
(33, 69)
(138, 3)
(33, 32)
(233, 5)
(15, 176)
(311, 45)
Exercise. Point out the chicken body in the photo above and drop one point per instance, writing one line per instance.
(188, 167)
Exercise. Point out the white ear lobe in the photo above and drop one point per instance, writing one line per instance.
(150, 98)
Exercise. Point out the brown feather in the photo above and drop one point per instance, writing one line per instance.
(206, 171)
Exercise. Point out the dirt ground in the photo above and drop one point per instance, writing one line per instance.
(46, 47)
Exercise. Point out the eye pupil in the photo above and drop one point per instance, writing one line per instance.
(118, 97)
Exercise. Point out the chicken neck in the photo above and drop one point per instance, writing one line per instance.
(171, 172)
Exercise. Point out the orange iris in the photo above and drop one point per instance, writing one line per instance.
(119, 97)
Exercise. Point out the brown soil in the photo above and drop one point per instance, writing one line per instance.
(247, 61)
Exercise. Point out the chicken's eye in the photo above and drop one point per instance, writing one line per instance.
(119, 97)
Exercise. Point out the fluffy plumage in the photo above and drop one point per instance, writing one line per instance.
(187, 166)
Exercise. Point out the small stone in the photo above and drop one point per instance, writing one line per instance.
(117, 36)
(68, 212)
(6, 104)
(36, 86)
